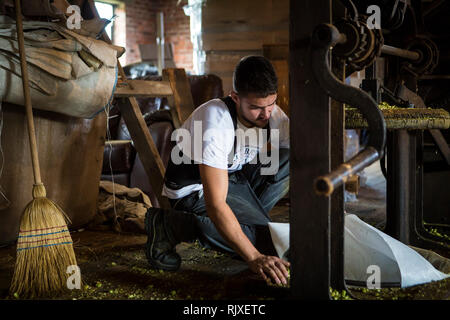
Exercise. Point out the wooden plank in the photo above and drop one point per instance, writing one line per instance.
(337, 199)
(181, 102)
(249, 40)
(244, 14)
(143, 88)
(337, 217)
(225, 61)
(279, 51)
(243, 28)
(310, 158)
(222, 64)
(145, 146)
(118, 142)
(245, 25)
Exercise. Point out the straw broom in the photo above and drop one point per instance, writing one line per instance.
(44, 246)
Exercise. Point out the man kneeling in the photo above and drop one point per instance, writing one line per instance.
(226, 173)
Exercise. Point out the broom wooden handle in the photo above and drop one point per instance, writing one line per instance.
(26, 95)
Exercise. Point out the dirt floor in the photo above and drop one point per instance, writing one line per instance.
(113, 266)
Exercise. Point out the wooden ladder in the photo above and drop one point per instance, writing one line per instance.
(175, 86)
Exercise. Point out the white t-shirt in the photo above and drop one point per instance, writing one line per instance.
(208, 137)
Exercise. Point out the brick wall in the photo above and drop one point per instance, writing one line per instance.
(141, 29)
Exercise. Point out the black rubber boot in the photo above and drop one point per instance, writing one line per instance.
(160, 248)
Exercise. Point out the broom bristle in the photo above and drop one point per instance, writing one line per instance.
(44, 249)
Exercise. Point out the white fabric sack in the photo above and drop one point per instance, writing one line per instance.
(81, 98)
(69, 73)
(366, 246)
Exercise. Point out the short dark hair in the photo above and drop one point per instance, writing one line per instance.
(255, 74)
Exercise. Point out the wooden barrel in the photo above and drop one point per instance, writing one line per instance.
(70, 155)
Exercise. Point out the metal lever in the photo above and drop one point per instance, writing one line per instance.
(326, 36)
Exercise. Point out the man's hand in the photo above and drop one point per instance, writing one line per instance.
(215, 187)
(270, 267)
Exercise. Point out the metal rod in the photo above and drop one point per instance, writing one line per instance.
(325, 185)
(393, 51)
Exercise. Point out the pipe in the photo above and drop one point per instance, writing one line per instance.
(325, 185)
(324, 37)
(407, 54)
(160, 41)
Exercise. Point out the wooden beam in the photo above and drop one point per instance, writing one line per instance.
(181, 103)
(143, 88)
(310, 157)
(337, 219)
(145, 146)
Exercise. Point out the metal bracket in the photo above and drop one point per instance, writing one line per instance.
(326, 36)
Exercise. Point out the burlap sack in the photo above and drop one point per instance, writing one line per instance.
(69, 73)
(120, 208)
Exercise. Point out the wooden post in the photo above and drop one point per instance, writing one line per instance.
(337, 218)
(310, 157)
(181, 103)
(145, 146)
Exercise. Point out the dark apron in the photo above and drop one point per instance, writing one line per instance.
(181, 175)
